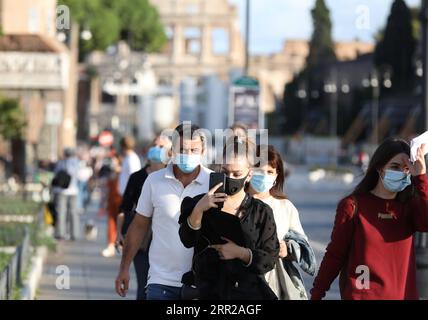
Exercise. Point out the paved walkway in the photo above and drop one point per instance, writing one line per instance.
(91, 275)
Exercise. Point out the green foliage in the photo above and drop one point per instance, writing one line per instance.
(135, 21)
(16, 206)
(321, 47)
(4, 260)
(140, 24)
(11, 234)
(12, 119)
(397, 48)
(104, 26)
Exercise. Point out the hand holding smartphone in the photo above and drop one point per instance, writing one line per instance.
(215, 179)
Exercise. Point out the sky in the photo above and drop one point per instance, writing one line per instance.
(273, 21)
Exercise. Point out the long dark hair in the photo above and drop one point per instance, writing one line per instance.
(275, 161)
(383, 154)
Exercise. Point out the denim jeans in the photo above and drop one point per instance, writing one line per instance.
(162, 292)
(141, 265)
(67, 221)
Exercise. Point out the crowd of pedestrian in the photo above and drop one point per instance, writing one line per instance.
(242, 238)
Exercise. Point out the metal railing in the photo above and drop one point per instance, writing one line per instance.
(12, 274)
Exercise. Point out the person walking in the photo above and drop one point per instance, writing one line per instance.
(157, 158)
(113, 201)
(159, 205)
(65, 193)
(372, 239)
(234, 245)
(267, 185)
(130, 163)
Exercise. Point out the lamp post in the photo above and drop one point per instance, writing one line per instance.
(302, 94)
(331, 88)
(373, 82)
(247, 37)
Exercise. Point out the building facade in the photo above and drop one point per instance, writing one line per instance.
(40, 72)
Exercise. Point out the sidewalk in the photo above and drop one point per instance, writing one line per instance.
(91, 275)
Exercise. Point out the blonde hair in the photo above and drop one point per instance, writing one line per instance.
(237, 146)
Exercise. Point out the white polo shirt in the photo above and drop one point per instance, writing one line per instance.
(160, 200)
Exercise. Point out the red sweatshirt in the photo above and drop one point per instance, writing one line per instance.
(380, 237)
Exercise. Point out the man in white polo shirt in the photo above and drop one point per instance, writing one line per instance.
(159, 203)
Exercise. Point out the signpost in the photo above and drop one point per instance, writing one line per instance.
(105, 139)
(53, 117)
(244, 105)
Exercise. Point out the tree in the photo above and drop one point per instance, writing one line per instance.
(135, 21)
(140, 24)
(12, 119)
(396, 49)
(12, 124)
(321, 46)
(321, 53)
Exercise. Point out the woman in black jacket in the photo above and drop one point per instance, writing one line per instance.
(234, 245)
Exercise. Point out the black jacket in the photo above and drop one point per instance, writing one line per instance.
(231, 280)
(131, 196)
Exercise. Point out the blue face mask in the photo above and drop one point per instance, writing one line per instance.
(396, 181)
(156, 154)
(187, 163)
(262, 183)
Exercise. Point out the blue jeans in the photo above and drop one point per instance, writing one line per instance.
(161, 292)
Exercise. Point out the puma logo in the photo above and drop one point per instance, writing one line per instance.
(385, 216)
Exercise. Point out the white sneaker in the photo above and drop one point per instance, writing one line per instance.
(108, 252)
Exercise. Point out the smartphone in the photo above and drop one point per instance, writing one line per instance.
(215, 179)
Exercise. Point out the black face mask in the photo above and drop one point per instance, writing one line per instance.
(233, 186)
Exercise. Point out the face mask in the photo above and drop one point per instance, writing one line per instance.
(156, 154)
(396, 181)
(262, 183)
(187, 163)
(233, 186)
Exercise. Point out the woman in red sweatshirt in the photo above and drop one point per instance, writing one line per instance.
(372, 239)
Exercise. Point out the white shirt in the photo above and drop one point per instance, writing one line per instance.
(131, 163)
(160, 200)
(286, 216)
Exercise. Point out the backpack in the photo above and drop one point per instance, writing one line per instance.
(62, 178)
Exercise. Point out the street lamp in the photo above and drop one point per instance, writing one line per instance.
(247, 37)
(374, 83)
(302, 94)
(331, 88)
